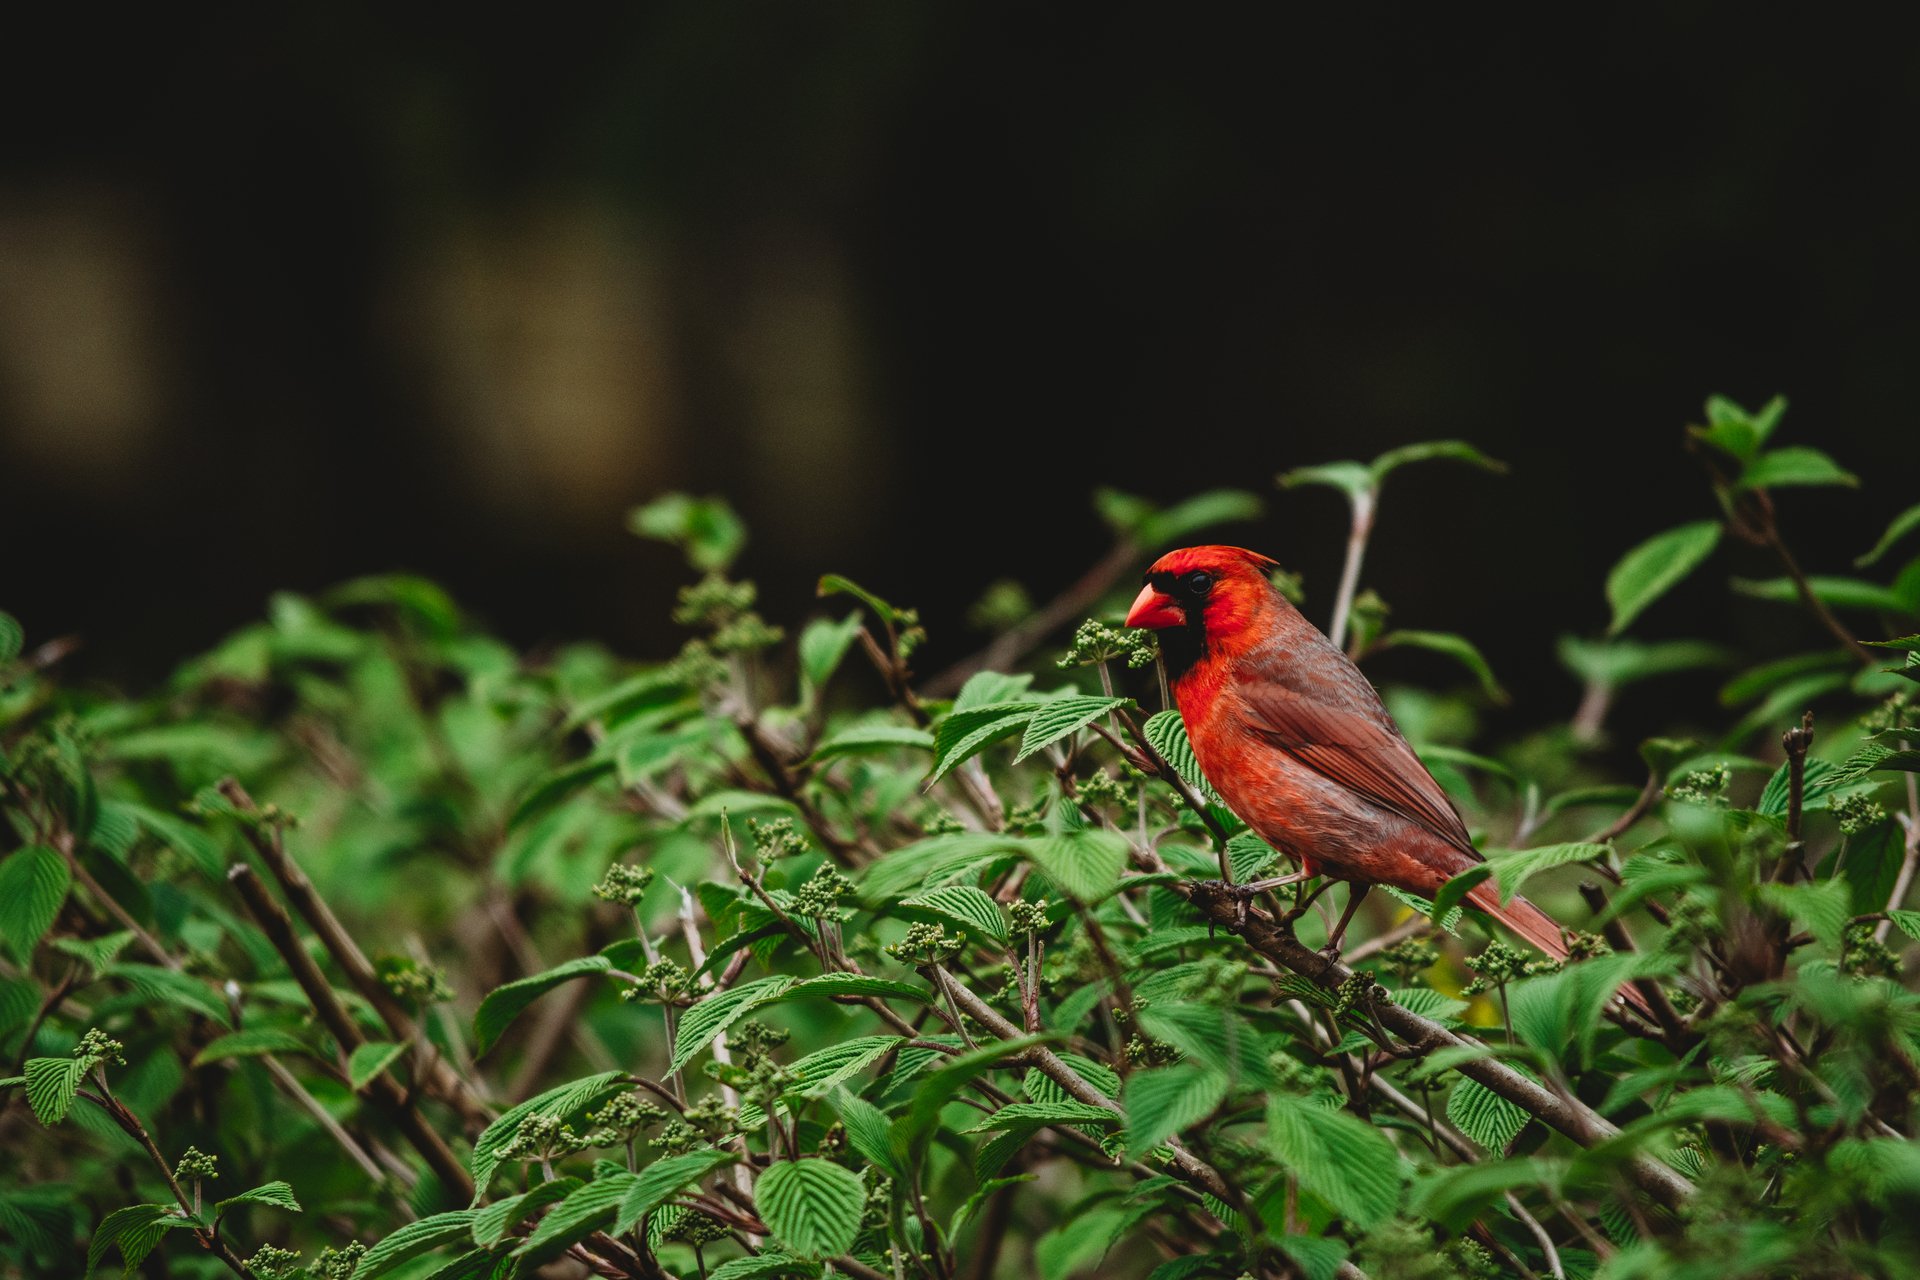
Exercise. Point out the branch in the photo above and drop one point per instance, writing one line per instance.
(1567, 1115)
(1362, 503)
(441, 1079)
(382, 1091)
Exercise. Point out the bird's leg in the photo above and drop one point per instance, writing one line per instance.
(1243, 894)
(1356, 894)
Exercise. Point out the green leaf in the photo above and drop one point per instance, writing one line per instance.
(491, 1224)
(813, 1206)
(1459, 648)
(984, 688)
(1734, 431)
(1168, 734)
(1169, 1100)
(832, 584)
(556, 786)
(412, 1240)
(369, 1060)
(1484, 1115)
(1249, 855)
(1835, 593)
(586, 1209)
(705, 529)
(963, 904)
(505, 1003)
(561, 1102)
(33, 887)
(1431, 451)
(1060, 718)
(872, 738)
(276, 1193)
(868, 1130)
(1318, 1257)
(707, 1019)
(1085, 864)
(1346, 1162)
(1455, 891)
(764, 1266)
(1903, 524)
(819, 1072)
(1173, 524)
(1017, 1115)
(1512, 867)
(662, 1179)
(1819, 780)
(1615, 663)
(133, 1225)
(12, 637)
(52, 1084)
(964, 734)
(1908, 922)
(251, 1042)
(1758, 681)
(1795, 465)
(1350, 478)
(1655, 567)
(823, 646)
(827, 986)
(171, 986)
(936, 1090)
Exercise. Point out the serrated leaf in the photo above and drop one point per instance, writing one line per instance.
(586, 1209)
(964, 734)
(560, 1102)
(660, 1180)
(277, 1193)
(1795, 465)
(491, 1223)
(1086, 864)
(764, 1266)
(52, 1084)
(556, 786)
(1169, 1100)
(1655, 567)
(1902, 525)
(707, 1019)
(965, 905)
(833, 584)
(1484, 1115)
(813, 1206)
(819, 1072)
(33, 886)
(1347, 1163)
(1908, 922)
(505, 1003)
(1020, 1114)
(1512, 867)
(1168, 734)
(133, 1220)
(1619, 662)
(412, 1240)
(1052, 721)
(369, 1060)
(868, 1130)
(872, 738)
(826, 986)
(937, 1089)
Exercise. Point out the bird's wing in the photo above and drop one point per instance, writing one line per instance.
(1352, 742)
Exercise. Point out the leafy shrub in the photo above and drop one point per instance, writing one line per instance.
(773, 960)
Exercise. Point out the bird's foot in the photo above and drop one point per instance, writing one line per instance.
(1329, 956)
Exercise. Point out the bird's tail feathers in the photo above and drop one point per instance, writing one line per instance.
(1538, 928)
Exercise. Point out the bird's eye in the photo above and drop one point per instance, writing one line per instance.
(1197, 583)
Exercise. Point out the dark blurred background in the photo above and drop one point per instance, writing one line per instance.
(287, 297)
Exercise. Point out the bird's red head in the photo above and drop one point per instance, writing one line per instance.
(1204, 597)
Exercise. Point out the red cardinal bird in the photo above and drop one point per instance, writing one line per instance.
(1298, 743)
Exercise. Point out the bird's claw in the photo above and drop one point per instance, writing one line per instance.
(1239, 894)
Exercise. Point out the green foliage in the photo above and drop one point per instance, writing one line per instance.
(962, 976)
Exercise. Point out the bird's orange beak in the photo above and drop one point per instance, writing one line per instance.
(1154, 610)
